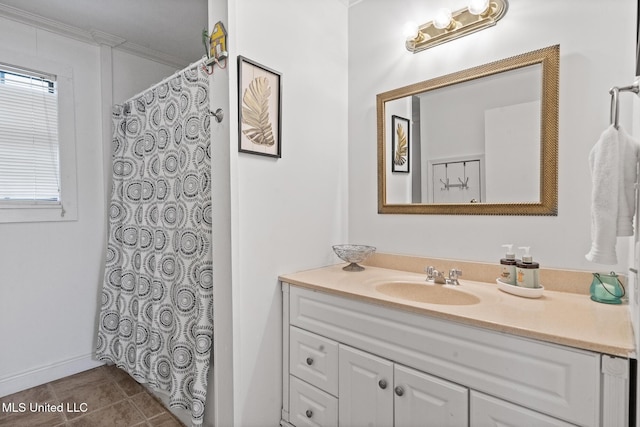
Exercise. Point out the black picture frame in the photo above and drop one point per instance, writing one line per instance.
(400, 144)
(259, 109)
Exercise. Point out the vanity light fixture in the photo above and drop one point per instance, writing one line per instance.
(447, 25)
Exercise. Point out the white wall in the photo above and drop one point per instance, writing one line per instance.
(591, 62)
(133, 74)
(219, 407)
(287, 212)
(50, 273)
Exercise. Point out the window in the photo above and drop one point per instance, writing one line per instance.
(29, 156)
(37, 144)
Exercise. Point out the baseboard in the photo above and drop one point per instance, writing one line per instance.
(46, 373)
(182, 414)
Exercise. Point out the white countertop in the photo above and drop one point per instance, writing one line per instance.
(558, 317)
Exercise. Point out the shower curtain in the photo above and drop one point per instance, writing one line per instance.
(156, 319)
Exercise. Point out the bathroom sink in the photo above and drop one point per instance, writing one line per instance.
(426, 292)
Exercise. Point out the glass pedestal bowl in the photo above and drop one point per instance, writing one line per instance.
(353, 254)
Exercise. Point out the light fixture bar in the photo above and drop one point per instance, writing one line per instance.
(463, 22)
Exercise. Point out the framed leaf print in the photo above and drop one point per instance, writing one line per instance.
(259, 108)
(400, 144)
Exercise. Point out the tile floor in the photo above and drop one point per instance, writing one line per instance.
(101, 397)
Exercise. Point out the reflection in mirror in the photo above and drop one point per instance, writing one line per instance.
(481, 141)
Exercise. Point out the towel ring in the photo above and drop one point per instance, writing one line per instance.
(615, 101)
(615, 106)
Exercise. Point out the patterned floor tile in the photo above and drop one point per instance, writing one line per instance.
(100, 397)
(121, 414)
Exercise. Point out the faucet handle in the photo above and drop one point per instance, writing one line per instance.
(454, 273)
(430, 272)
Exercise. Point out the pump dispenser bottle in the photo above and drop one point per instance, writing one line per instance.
(527, 270)
(508, 264)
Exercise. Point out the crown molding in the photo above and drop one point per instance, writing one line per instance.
(153, 55)
(92, 36)
(32, 19)
(103, 38)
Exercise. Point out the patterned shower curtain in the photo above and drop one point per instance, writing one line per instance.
(156, 319)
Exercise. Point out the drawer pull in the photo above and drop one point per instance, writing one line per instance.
(309, 413)
(382, 384)
(399, 391)
(309, 361)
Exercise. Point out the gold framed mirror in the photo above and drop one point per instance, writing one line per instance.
(482, 141)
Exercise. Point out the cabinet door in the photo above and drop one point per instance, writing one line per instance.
(365, 389)
(487, 411)
(424, 400)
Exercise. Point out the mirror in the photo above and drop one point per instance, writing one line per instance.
(482, 141)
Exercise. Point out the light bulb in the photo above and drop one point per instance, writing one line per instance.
(442, 19)
(410, 30)
(478, 7)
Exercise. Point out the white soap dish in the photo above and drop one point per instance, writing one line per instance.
(519, 290)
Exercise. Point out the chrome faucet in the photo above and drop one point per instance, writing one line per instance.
(436, 276)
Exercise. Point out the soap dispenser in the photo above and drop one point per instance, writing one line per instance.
(508, 263)
(527, 270)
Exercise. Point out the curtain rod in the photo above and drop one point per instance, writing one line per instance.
(166, 79)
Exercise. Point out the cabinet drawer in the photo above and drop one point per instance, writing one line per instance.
(310, 406)
(314, 359)
(487, 411)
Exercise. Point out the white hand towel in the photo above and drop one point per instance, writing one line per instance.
(604, 162)
(628, 174)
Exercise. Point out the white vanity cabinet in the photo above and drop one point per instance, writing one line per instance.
(348, 362)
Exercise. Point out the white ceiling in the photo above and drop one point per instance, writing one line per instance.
(170, 30)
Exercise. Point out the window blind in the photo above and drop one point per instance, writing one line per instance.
(29, 151)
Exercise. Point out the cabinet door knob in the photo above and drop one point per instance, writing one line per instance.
(309, 413)
(399, 391)
(382, 384)
(309, 361)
